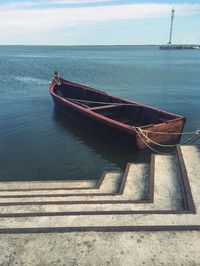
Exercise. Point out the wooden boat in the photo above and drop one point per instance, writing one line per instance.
(121, 120)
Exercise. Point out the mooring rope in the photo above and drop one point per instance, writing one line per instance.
(150, 140)
(141, 133)
(195, 139)
(172, 133)
(145, 142)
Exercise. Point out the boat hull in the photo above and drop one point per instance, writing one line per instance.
(154, 136)
(106, 130)
(110, 120)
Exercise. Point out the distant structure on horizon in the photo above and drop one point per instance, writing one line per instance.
(171, 46)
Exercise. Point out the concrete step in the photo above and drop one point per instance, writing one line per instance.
(166, 185)
(109, 183)
(47, 185)
(134, 186)
(189, 160)
(185, 220)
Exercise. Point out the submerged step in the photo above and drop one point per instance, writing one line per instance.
(45, 185)
(133, 188)
(108, 183)
(117, 222)
(113, 222)
(165, 185)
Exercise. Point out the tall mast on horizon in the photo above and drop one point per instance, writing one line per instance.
(172, 19)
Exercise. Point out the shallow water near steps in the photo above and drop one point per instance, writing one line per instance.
(38, 143)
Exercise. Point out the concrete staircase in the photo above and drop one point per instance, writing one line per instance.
(161, 196)
(109, 183)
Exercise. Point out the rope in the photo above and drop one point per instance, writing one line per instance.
(172, 133)
(150, 140)
(188, 140)
(195, 139)
(140, 132)
(143, 140)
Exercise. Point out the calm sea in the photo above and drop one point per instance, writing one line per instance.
(37, 143)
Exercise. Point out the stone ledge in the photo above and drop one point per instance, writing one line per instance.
(167, 198)
(109, 183)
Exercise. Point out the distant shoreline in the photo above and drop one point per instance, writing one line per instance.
(81, 45)
(88, 45)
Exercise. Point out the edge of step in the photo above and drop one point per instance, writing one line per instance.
(159, 201)
(51, 185)
(109, 183)
(75, 197)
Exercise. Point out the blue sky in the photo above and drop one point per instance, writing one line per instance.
(87, 22)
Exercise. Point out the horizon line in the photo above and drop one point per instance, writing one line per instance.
(69, 45)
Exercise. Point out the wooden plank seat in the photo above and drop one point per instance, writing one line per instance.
(102, 107)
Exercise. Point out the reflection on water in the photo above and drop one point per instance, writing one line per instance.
(111, 152)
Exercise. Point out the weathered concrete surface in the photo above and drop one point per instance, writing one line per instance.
(110, 184)
(168, 195)
(168, 184)
(112, 248)
(133, 189)
(191, 157)
(99, 249)
(48, 184)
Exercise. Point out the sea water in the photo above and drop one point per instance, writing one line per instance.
(38, 143)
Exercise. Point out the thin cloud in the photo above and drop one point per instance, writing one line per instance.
(15, 5)
(77, 1)
(46, 3)
(47, 19)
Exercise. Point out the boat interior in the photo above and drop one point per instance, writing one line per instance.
(116, 109)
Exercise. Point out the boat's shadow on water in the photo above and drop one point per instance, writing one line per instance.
(106, 148)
